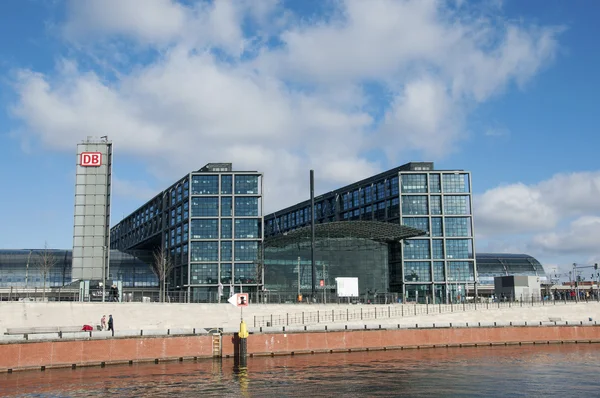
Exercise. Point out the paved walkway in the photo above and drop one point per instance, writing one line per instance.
(137, 316)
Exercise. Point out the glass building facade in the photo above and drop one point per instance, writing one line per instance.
(437, 267)
(288, 267)
(19, 269)
(211, 224)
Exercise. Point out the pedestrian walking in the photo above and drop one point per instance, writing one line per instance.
(111, 324)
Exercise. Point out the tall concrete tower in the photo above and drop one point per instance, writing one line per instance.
(91, 231)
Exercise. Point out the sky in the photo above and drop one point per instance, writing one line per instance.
(506, 89)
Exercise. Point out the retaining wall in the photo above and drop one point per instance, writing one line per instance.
(87, 352)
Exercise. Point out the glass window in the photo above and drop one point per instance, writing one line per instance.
(226, 274)
(226, 184)
(246, 251)
(245, 184)
(226, 250)
(455, 183)
(439, 274)
(246, 206)
(205, 207)
(459, 248)
(205, 184)
(226, 228)
(438, 248)
(421, 223)
(247, 228)
(413, 204)
(457, 204)
(458, 226)
(434, 183)
(204, 274)
(417, 271)
(416, 249)
(245, 273)
(460, 271)
(205, 229)
(204, 251)
(226, 206)
(414, 183)
(394, 182)
(436, 226)
(436, 204)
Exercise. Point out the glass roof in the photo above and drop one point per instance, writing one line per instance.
(372, 230)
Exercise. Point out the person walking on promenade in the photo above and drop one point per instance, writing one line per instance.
(103, 322)
(111, 325)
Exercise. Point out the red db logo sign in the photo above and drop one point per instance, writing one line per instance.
(90, 159)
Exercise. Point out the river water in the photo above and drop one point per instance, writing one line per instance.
(514, 371)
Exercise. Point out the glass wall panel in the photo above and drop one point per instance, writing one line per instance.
(436, 226)
(414, 205)
(457, 205)
(226, 206)
(247, 228)
(205, 207)
(226, 250)
(246, 251)
(414, 183)
(246, 184)
(434, 183)
(456, 183)
(460, 271)
(438, 248)
(439, 274)
(459, 248)
(246, 206)
(205, 184)
(205, 229)
(417, 271)
(416, 249)
(226, 188)
(204, 274)
(226, 228)
(421, 223)
(458, 226)
(436, 204)
(244, 273)
(226, 274)
(204, 251)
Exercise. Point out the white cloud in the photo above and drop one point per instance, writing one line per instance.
(285, 109)
(156, 21)
(515, 208)
(556, 219)
(580, 237)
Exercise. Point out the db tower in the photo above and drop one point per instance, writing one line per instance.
(91, 230)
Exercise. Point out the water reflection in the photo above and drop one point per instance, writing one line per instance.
(556, 370)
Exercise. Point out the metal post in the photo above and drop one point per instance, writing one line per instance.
(298, 297)
(312, 233)
(103, 273)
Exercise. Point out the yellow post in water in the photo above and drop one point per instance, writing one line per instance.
(243, 330)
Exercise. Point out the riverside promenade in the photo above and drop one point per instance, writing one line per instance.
(164, 316)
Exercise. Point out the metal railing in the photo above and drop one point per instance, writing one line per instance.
(406, 310)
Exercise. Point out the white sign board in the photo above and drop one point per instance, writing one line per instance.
(239, 300)
(347, 287)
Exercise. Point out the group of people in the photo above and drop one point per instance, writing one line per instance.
(111, 325)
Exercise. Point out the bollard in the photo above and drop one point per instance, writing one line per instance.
(243, 337)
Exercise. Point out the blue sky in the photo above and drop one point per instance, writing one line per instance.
(505, 89)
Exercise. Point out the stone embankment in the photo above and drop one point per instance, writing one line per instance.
(139, 316)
